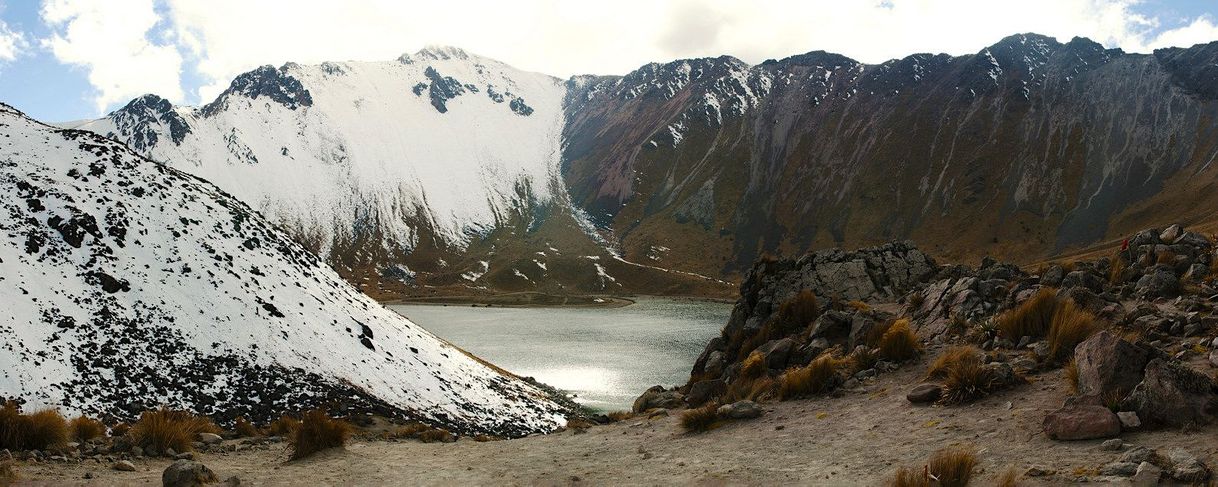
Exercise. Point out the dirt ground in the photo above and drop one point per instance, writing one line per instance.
(859, 438)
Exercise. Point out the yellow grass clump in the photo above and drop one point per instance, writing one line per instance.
(938, 369)
(245, 429)
(317, 431)
(34, 431)
(83, 428)
(1031, 318)
(899, 343)
(700, 419)
(951, 467)
(283, 426)
(1070, 326)
(818, 376)
(166, 428)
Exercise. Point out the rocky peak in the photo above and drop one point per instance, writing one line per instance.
(139, 121)
(1194, 69)
(441, 53)
(816, 59)
(265, 81)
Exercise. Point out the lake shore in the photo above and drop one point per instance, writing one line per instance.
(541, 300)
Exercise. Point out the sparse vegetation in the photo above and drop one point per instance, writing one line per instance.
(899, 343)
(119, 429)
(8, 472)
(617, 416)
(1009, 477)
(1070, 375)
(939, 367)
(245, 429)
(166, 428)
(799, 311)
(915, 301)
(701, 418)
(859, 306)
(1071, 325)
(317, 431)
(408, 430)
(953, 466)
(950, 467)
(35, 431)
(818, 376)
(1031, 318)
(284, 426)
(753, 366)
(753, 389)
(965, 376)
(1166, 257)
(1117, 268)
(83, 428)
(436, 435)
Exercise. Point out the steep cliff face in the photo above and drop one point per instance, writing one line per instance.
(1023, 149)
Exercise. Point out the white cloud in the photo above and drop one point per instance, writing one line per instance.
(12, 43)
(1199, 31)
(110, 40)
(222, 38)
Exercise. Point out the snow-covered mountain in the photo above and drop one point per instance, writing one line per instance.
(127, 284)
(394, 170)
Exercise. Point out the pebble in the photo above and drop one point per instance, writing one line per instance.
(124, 466)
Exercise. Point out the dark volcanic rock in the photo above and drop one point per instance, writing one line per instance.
(1172, 394)
(1109, 366)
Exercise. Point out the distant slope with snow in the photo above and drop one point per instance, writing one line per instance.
(127, 284)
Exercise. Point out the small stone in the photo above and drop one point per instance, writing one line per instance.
(1038, 471)
(1185, 467)
(925, 393)
(210, 438)
(1138, 455)
(740, 410)
(124, 466)
(1147, 475)
(137, 451)
(1114, 444)
(1119, 469)
(1129, 420)
(185, 456)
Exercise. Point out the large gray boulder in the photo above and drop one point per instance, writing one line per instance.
(657, 397)
(1159, 281)
(774, 353)
(1109, 366)
(1172, 394)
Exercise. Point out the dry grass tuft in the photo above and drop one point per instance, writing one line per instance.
(8, 472)
(899, 343)
(284, 426)
(245, 429)
(818, 376)
(799, 311)
(1165, 257)
(910, 477)
(1117, 268)
(859, 306)
(966, 379)
(1071, 325)
(166, 428)
(745, 388)
(82, 429)
(939, 367)
(1032, 318)
(953, 466)
(753, 366)
(119, 429)
(408, 430)
(700, 419)
(1009, 478)
(35, 431)
(317, 432)
(915, 302)
(436, 435)
(1070, 375)
(617, 416)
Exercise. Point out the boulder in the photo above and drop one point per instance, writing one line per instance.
(713, 367)
(833, 326)
(739, 410)
(1085, 280)
(1109, 366)
(1171, 234)
(1148, 475)
(1053, 275)
(657, 397)
(704, 390)
(187, 473)
(1081, 422)
(1185, 467)
(925, 393)
(1172, 394)
(774, 353)
(1159, 281)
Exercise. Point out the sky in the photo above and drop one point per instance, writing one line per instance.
(65, 60)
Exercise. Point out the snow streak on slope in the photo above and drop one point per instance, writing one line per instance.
(127, 284)
(442, 138)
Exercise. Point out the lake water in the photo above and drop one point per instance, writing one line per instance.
(606, 356)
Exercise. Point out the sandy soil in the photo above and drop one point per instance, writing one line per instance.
(856, 439)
